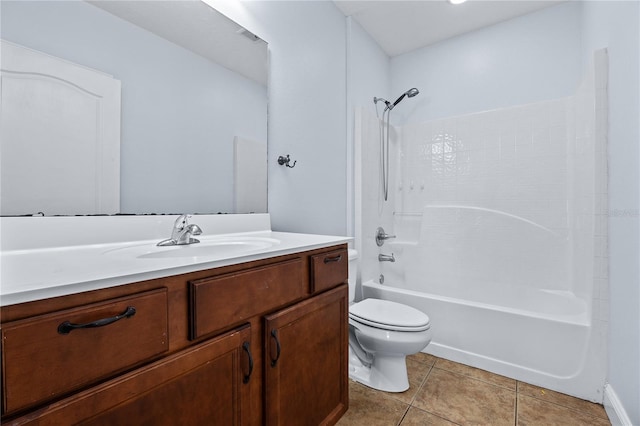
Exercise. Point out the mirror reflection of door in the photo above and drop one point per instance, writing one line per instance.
(59, 120)
(192, 83)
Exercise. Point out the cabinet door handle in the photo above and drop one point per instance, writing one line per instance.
(67, 326)
(247, 349)
(274, 335)
(337, 258)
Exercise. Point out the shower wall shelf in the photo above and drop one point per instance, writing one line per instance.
(396, 213)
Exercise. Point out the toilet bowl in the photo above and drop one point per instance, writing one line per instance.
(381, 334)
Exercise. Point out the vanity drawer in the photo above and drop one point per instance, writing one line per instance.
(329, 269)
(223, 301)
(43, 357)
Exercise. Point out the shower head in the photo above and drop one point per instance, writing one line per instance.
(409, 93)
(412, 92)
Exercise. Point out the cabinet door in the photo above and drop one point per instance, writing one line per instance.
(203, 385)
(306, 361)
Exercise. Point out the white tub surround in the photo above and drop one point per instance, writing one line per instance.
(558, 352)
(45, 257)
(501, 225)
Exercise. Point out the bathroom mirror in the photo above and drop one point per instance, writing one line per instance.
(173, 119)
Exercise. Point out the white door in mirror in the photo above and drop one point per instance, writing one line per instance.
(63, 120)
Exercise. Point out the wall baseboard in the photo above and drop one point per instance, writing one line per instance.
(612, 405)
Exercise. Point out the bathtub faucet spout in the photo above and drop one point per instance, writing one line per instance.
(386, 258)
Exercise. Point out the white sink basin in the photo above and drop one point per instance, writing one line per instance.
(211, 248)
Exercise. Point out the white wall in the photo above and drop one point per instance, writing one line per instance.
(537, 57)
(368, 76)
(527, 59)
(300, 31)
(162, 85)
(307, 110)
(308, 119)
(369, 69)
(615, 25)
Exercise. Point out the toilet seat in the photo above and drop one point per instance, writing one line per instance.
(389, 315)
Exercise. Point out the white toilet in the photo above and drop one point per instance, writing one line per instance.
(381, 334)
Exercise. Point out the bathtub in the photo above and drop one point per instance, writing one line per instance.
(550, 347)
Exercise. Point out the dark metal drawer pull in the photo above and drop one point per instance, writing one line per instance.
(67, 326)
(246, 348)
(337, 258)
(274, 334)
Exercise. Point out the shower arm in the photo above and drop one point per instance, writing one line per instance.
(386, 102)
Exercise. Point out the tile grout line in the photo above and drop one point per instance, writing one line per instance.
(476, 378)
(575, 410)
(517, 391)
(436, 415)
(426, 376)
(413, 398)
(556, 404)
(422, 384)
(515, 421)
(404, 415)
(520, 388)
(511, 390)
(566, 407)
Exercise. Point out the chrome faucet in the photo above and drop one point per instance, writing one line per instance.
(182, 233)
(382, 236)
(386, 258)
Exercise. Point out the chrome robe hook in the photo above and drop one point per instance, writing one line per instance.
(285, 161)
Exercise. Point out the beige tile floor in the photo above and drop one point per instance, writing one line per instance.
(447, 393)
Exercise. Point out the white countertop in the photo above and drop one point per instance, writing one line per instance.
(32, 273)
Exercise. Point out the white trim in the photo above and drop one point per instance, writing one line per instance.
(350, 219)
(613, 407)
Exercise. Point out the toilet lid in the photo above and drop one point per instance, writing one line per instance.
(389, 315)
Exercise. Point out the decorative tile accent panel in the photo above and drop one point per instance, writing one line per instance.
(512, 160)
(493, 194)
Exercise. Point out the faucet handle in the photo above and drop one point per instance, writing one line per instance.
(194, 229)
(381, 236)
(181, 221)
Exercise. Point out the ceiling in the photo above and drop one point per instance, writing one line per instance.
(400, 26)
(198, 27)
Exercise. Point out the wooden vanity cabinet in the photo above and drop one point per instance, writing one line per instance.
(204, 384)
(201, 348)
(38, 350)
(221, 301)
(306, 370)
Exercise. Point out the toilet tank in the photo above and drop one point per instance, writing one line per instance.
(353, 274)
